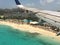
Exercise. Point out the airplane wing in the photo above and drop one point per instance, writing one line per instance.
(51, 17)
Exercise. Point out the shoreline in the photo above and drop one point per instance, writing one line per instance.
(31, 29)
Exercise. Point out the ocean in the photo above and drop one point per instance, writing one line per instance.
(11, 36)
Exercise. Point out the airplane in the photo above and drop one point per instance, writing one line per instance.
(50, 17)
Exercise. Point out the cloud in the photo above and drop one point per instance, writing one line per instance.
(50, 1)
(30, 4)
(58, 2)
(42, 2)
(45, 2)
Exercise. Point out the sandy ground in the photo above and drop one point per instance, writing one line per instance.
(29, 28)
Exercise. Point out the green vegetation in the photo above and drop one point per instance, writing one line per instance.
(17, 13)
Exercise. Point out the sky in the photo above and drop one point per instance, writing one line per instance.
(39, 4)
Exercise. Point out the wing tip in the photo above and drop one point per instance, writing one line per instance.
(17, 2)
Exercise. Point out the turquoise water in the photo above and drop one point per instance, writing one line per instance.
(11, 36)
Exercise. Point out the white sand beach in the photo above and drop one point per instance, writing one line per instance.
(29, 28)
